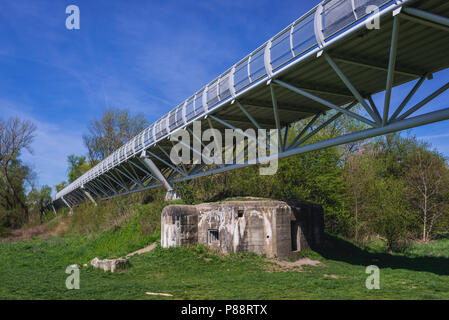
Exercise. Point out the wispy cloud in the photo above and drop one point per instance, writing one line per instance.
(436, 136)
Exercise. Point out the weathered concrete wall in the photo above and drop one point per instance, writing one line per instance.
(273, 228)
(179, 225)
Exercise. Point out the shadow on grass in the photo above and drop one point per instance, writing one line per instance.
(338, 249)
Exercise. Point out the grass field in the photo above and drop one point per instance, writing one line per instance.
(35, 269)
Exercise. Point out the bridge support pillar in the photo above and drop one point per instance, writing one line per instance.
(67, 204)
(89, 196)
(149, 164)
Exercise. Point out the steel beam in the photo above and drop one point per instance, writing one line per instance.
(276, 115)
(158, 174)
(423, 22)
(165, 162)
(408, 98)
(99, 188)
(427, 16)
(284, 144)
(304, 130)
(248, 115)
(391, 68)
(66, 203)
(375, 66)
(326, 103)
(89, 196)
(424, 102)
(128, 175)
(351, 88)
(320, 127)
(374, 107)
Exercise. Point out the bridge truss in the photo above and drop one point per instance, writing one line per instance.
(328, 60)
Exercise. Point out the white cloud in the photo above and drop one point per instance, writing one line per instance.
(437, 136)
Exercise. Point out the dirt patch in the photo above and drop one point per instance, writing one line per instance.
(333, 276)
(283, 266)
(141, 251)
(44, 231)
(27, 234)
(61, 229)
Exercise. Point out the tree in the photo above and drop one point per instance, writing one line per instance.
(15, 135)
(39, 199)
(427, 177)
(360, 174)
(389, 209)
(11, 212)
(114, 129)
(78, 165)
(61, 186)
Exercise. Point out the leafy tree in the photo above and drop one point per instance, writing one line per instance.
(38, 200)
(427, 177)
(12, 214)
(390, 211)
(114, 129)
(61, 186)
(78, 165)
(360, 173)
(15, 136)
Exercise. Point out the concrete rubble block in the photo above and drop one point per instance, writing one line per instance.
(109, 264)
(269, 227)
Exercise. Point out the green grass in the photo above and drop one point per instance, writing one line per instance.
(438, 248)
(35, 269)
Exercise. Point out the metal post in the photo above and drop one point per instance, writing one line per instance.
(89, 196)
(149, 164)
(276, 115)
(66, 203)
(391, 68)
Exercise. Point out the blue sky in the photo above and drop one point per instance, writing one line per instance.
(146, 56)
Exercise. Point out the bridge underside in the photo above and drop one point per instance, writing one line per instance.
(410, 46)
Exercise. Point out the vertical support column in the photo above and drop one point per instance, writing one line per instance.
(66, 203)
(276, 116)
(391, 69)
(217, 145)
(149, 164)
(89, 196)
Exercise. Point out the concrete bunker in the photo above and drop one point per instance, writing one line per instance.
(274, 228)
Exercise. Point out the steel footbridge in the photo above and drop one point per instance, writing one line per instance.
(326, 62)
